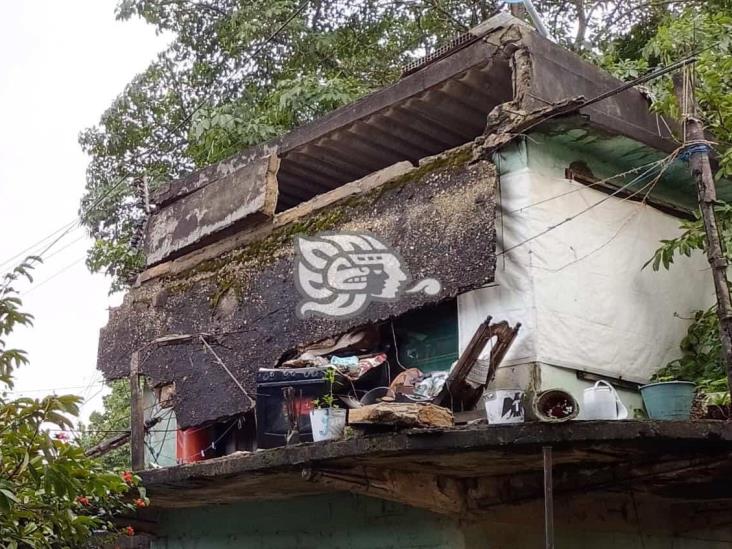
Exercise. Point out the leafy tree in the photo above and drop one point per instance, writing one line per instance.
(51, 494)
(206, 97)
(113, 419)
(707, 31)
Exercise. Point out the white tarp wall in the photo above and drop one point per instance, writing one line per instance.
(578, 289)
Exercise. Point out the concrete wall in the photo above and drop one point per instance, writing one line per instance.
(572, 274)
(341, 521)
(346, 521)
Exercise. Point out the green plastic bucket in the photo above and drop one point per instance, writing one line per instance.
(670, 400)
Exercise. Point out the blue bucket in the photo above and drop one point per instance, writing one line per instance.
(669, 400)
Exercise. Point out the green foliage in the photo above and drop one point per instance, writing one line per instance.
(328, 400)
(113, 419)
(707, 31)
(51, 494)
(701, 355)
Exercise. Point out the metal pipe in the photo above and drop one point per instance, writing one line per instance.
(536, 19)
(548, 498)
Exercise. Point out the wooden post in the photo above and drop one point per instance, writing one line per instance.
(137, 415)
(548, 498)
(701, 171)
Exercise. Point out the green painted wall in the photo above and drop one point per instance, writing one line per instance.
(336, 521)
(345, 521)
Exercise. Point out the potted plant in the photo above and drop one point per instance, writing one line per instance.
(716, 400)
(669, 399)
(327, 421)
(718, 406)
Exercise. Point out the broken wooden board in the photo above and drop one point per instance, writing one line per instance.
(401, 414)
(246, 196)
(467, 380)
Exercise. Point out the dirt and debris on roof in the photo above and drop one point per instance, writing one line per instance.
(243, 302)
(668, 459)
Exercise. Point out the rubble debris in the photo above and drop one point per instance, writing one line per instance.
(376, 395)
(401, 414)
(306, 360)
(430, 385)
(405, 382)
(459, 392)
(362, 339)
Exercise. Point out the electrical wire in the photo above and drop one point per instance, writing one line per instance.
(64, 230)
(589, 185)
(54, 275)
(550, 228)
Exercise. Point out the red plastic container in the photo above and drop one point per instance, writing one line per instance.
(194, 444)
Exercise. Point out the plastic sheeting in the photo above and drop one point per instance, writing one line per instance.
(579, 289)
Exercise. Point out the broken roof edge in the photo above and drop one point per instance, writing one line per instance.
(500, 37)
(456, 439)
(444, 69)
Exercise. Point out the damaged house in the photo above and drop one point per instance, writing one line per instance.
(516, 216)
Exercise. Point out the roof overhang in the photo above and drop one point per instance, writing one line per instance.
(682, 460)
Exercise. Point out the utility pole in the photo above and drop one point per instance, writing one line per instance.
(701, 171)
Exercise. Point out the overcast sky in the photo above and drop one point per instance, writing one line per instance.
(61, 65)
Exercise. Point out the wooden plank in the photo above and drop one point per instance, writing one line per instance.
(111, 443)
(137, 415)
(401, 414)
(464, 387)
(247, 196)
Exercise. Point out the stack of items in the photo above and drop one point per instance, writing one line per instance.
(305, 399)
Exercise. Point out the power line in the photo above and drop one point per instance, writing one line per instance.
(54, 275)
(54, 389)
(550, 228)
(126, 174)
(34, 245)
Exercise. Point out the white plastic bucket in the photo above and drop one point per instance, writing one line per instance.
(327, 423)
(504, 406)
(601, 401)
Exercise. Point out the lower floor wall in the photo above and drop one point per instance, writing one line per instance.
(345, 521)
(333, 521)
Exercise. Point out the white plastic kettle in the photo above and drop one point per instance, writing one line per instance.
(601, 401)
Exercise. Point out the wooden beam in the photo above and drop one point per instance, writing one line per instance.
(112, 443)
(440, 494)
(137, 415)
(548, 498)
(464, 387)
(401, 414)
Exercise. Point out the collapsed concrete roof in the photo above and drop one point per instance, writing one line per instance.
(219, 248)
(441, 105)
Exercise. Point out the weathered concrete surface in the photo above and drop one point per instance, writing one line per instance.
(440, 217)
(246, 196)
(653, 456)
(443, 105)
(174, 190)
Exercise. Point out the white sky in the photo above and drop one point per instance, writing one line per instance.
(61, 65)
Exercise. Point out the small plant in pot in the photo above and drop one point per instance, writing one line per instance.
(716, 400)
(328, 422)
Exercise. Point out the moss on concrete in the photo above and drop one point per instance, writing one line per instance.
(226, 273)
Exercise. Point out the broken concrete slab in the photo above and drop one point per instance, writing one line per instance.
(244, 197)
(244, 301)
